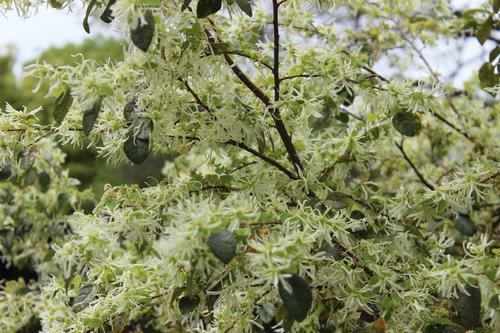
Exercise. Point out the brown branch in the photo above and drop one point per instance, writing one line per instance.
(419, 175)
(259, 223)
(249, 57)
(195, 95)
(280, 126)
(262, 157)
(444, 120)
(250, 150)
(299, 76)
(247, 82)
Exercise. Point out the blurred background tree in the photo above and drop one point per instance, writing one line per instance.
(93, 173)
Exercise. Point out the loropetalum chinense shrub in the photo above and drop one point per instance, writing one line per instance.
(307, 192)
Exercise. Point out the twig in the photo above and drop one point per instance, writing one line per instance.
(420, 176)
(252, 151)
(280, 126)
(249, 57)
(196, 97)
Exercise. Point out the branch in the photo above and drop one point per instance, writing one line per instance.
(431, 70)
(249, 83)
(420, 176)
(196, 97)
(249, 57)
(444, 120)
(252, 151)
(299, 76)
(280, 126)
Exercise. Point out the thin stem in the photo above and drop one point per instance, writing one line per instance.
(262, 157)
(419, 175)
(299, 76)
(195, 95)
(280, 126)
(252, 151)
(431, 70)
(249, 57)
(444, 120)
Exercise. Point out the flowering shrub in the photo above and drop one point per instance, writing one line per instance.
(308, 192)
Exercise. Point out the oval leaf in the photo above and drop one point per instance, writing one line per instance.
(469, 306)
(207, 7)
(142, 35)
(142, 127)
(136, 149)
(62, 105)
(131, 110)
(87, 14)
(26, 158)
(90, 116)
(188, 304)
(494, 302)
(245, 6)
(464, 225)
(296, 296)
(407, 123)
(223, 245)
(5, 172)
(107, 15)
(185, 5)
(86, 294)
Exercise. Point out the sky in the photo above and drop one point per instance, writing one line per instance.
(48, 27)
(52, 27)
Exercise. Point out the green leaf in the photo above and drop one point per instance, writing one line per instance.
(22, 291)
(208, 7)
(87, 206)
(464, 225)
(185, 5)
(342, 117)
(55, 4)
(93, 322)
(152, 3)
(62, 105)
(296, 297)
(494, 53)
(188, 304)
(26, 158)
(494, 302)
(142, 34)
(142, 127)
(333, 252)
(469, 306)
(5, 172)
(357, 215)
(245, 6)
(484, 30)
(496, 6)
(107, 14)
(336, 200)
(407, 123)
(44, 179)
(346, 97)
(87, 14)
(131, 110)
(136, 149)
(90, 116)
(487, 75)
(86, 294)
(223, 245)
